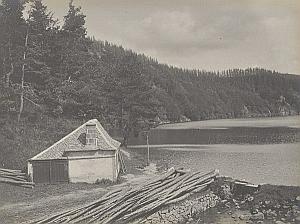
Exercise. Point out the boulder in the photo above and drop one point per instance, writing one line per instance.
(225, 192)
(267, 202)
(250, 198)
(271, 213)
(245, 217)
(254, 211)
(258, 216)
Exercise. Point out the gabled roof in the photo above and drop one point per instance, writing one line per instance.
(71, 141)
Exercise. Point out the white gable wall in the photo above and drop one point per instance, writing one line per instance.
(30, 171)
(90, 169)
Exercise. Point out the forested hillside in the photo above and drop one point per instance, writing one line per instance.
(54, 77)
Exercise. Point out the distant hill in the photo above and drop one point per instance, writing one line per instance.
(200, 95)
(59, 71)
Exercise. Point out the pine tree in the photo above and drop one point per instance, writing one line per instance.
(42, 27)
(131, 95)
(73, 62)
(36, 49)
(73, 43)
(11, 36)
(74, 22)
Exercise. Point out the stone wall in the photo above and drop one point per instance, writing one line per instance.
(185, 211)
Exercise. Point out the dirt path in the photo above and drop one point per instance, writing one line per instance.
(17, 212)
(18, 205)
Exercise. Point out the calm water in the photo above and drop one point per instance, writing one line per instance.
(257, 150)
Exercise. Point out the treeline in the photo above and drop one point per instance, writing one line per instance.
(58, 71)
(200, 95)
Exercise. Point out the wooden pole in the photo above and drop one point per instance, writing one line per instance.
(23, 75)
(148, 150)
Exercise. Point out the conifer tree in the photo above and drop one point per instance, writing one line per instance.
(131, 95)
(36, 50)
(74, 22)
(11, 36)
(74, 43)
(42, 27)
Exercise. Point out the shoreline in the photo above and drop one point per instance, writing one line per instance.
(255, 164)
(226, 120)
(206, 146)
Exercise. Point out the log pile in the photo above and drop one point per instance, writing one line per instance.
(15, 177)
(124, 206)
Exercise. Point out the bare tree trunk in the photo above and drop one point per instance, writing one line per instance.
(23, 76)
(3, 66)
(122, 110)
(12, 67)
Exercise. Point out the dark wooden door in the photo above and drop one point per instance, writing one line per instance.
(41, 171)
(50, 171)
(59, 171)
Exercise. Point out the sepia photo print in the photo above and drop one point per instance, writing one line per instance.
(149, 111)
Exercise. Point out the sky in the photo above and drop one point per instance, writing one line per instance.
(199, 34)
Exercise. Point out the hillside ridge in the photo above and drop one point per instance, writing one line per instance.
(54, 78)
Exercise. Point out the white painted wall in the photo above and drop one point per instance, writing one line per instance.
(90, 169)
(30, 171)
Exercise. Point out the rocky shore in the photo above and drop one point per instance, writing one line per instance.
(269, 204)
(226, 202)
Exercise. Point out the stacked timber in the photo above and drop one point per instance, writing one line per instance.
(128, 205)
(15, 177)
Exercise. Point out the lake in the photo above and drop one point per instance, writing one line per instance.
(261, 150)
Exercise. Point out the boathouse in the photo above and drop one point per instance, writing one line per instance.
(88, 154)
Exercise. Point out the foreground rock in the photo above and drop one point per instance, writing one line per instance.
(269, 204)
(225, 203)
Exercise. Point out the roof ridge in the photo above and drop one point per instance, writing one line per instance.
(111, 142)
(108, 141)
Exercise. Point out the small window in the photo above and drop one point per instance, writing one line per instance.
(82, 138)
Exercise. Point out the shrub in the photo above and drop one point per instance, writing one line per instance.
(104, 182)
